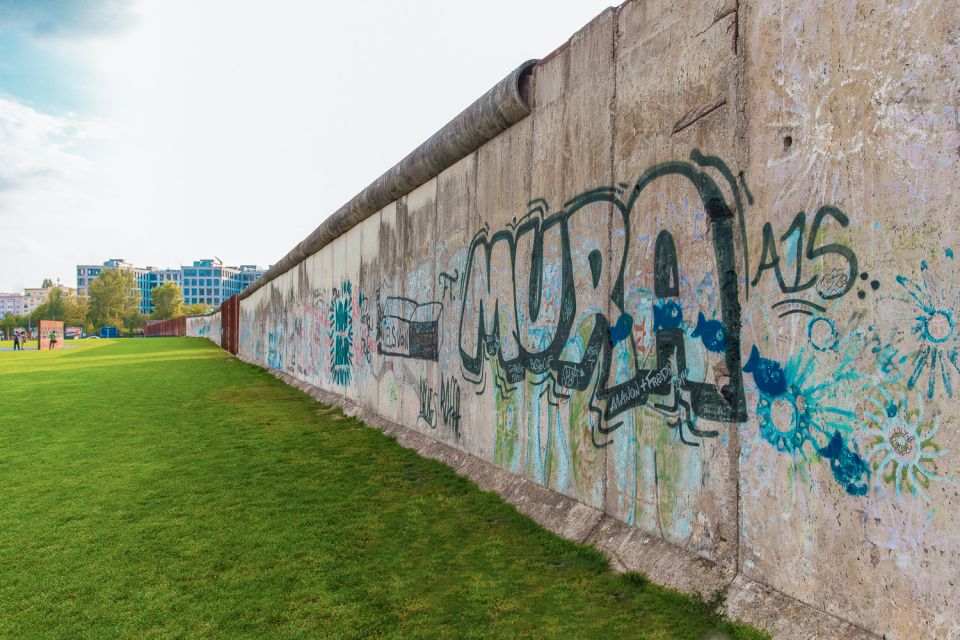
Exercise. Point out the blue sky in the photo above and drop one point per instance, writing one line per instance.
(39, 61)
(161, 131)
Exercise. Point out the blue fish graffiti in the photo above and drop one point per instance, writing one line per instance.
(767, 374)
(621, 329)
(668, 315)
(849, 469)
(710, 333)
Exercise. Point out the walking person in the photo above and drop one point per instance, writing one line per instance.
(16, 341)
(53, 340)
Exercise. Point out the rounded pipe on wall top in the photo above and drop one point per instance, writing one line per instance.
(493, 113)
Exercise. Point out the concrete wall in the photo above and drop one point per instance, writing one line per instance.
(205, 327)
(708, 286)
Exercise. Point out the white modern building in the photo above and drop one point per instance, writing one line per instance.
(206, 281)
(11, 304)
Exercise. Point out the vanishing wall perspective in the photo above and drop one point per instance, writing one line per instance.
(708, 286)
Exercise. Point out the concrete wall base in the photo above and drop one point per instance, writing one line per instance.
(628, 548)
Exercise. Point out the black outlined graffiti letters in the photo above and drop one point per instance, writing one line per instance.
(409, 329)
(446, 404)
(561, 295)
(802, 256)
(447, 281)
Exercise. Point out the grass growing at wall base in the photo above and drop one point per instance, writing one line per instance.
(160, 489)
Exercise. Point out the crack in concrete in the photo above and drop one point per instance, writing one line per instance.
(718, 19)
(697, 113)
(589, 534)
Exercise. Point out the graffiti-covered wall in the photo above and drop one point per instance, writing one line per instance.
(708, 286)
(205, 327)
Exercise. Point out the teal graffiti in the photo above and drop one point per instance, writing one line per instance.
(340, 318)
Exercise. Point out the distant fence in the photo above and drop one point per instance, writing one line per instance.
(221, 326)
(230, 324)
(166, 328)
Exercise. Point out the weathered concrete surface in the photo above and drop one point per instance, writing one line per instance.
(852, 110)
(704, 297)
(205, 327)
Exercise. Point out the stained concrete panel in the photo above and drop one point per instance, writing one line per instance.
(316, 319)
(325, 284)
(664, 477)
(497, 414)
(852, 119)
(457, 223)
(390, 256)
(365, 345)
(416, 313)
(585, 125)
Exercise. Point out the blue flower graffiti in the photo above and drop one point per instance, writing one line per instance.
(340, 318)
(902, 444)
(794, 409)
(932, 309)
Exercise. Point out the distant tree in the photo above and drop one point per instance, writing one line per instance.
(76, 313)
(197, 309)
(55, 307)
(8, 323)
(114, 296)
(167, 301)
(133, 322)
(47, 283)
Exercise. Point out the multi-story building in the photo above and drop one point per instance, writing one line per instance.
(87, 273)
(207, 281)
(210, 282)
(33, 298)
(11, 304)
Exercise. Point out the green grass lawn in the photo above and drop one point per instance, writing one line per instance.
(158, 488)
(8, 344)
(32, 342)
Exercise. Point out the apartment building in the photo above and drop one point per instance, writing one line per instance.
(206, 281)
(11, 304)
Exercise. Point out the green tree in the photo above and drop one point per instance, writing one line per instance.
(55, 307)
(76, 314)
(167, 301)
(9, 322)
(197, 309)
(134, 322)
(47, 283)
(114, 296)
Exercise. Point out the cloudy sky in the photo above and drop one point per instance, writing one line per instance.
(161, 131)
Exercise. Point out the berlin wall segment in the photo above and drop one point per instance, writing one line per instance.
(684, 364)
(609, 342)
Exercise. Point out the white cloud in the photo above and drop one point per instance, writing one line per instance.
(36, 146)
(46, 185)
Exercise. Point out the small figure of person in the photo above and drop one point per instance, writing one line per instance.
(53, 340)
(16, 341)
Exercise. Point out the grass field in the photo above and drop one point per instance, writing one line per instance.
(8, 344)
(161, 489)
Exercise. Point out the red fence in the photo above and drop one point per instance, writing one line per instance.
(48, 329)
(230, 324)
(172, 327)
